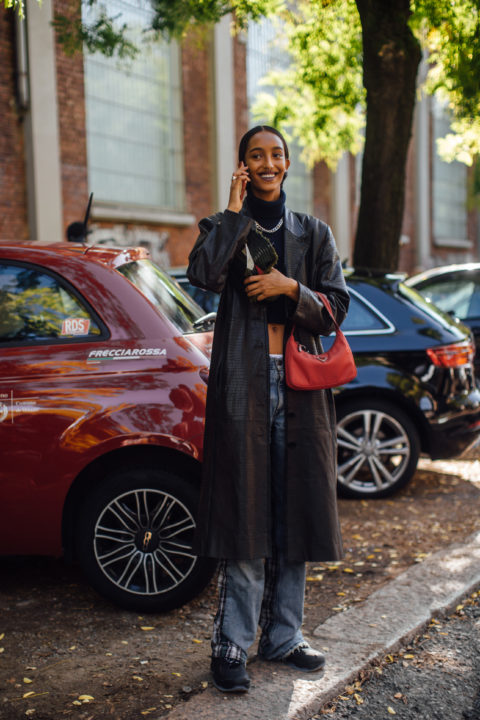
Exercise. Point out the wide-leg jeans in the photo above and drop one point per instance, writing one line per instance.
(267, 592)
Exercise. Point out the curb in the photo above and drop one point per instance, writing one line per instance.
(355, 638)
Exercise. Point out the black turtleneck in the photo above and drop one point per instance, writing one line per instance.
(267, 213)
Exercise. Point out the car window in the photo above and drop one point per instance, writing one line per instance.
(456, 293)
(207, 299)
(163, 292)
(428, 307)
(362, 317)
(37, 307)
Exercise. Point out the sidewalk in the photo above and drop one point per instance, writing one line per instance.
(351, 640)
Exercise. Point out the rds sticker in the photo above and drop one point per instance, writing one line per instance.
(75, 326)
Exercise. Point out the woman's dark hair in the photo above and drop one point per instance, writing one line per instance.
(242, 148)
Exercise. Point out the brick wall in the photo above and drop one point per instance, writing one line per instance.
(322, 192)
(242, 122)
(71, 117)
(13, 212)
(199, 165)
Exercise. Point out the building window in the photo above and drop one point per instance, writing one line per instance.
(449, 188)
(134, 118)
(265, 52)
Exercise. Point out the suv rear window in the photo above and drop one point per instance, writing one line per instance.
(445, 320)
(164, 293)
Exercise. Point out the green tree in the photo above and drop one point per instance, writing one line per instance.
(350, 56)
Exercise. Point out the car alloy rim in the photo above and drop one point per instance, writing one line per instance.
(373, 450)
(143, 542)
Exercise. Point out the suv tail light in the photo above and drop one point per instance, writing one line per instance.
(454, 355)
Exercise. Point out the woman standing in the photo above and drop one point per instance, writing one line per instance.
(268, 499)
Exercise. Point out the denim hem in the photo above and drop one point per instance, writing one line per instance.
(302, 644)
(230, 652)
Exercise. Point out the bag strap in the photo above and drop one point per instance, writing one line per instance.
(327, 306)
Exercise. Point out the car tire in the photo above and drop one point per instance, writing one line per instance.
(378, 448)
(134, 536)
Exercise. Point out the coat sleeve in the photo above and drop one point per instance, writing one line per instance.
(310, 312)
(220, 237)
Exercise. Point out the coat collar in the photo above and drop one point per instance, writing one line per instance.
(295, 243)
(296, 240)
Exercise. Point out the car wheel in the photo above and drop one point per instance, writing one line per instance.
(134, 540)
(378, 449)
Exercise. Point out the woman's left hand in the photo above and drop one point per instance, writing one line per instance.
(271, 284)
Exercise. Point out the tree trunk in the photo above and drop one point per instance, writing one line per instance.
(391, 58)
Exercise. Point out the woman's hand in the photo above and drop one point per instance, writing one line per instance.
(238, 188)
(271, 284)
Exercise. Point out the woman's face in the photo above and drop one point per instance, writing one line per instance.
(267, 164)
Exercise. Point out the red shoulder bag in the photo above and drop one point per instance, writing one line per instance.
(307, 371)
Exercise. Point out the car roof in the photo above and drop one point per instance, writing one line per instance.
(442, 270)
(110, 256)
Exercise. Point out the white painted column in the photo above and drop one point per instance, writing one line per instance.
(341, 210)
(42, 137)
(422, 176)
(224, 82)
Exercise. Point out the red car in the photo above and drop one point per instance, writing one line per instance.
(103, 372)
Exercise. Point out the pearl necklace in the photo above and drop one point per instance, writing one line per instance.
(272, 230)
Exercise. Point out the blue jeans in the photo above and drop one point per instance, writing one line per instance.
(267, 592)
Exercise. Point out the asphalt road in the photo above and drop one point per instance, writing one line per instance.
(437, 677)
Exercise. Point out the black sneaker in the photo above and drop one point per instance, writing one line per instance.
(305, 658)
(229, 675)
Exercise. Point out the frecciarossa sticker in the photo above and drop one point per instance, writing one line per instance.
(124, 353)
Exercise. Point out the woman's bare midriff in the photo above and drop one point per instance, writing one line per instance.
(275, 338)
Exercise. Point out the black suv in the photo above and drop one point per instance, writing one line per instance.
(415, 392)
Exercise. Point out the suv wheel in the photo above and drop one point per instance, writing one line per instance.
(134, 540)
(378, 449)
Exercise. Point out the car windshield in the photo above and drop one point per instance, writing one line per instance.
(164, 293)
(427, 306)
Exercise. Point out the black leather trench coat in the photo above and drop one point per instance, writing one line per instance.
(234, 519)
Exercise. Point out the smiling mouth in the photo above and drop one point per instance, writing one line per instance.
(268, 176)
